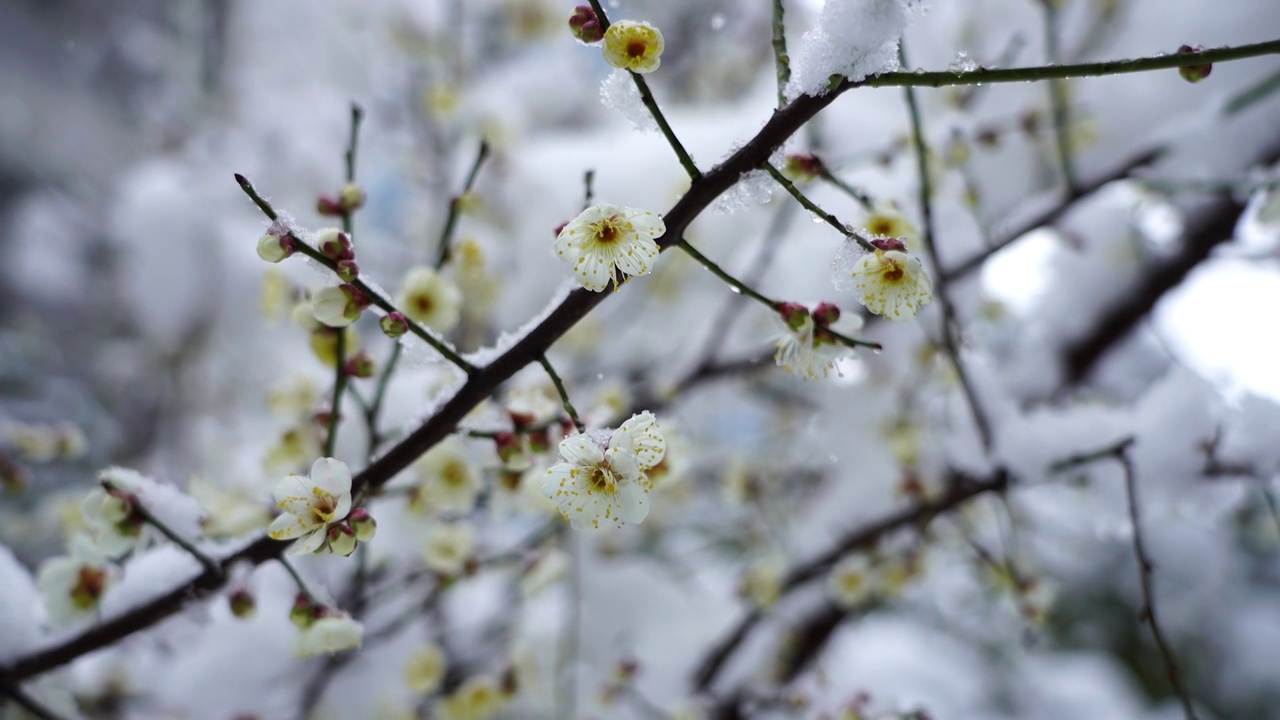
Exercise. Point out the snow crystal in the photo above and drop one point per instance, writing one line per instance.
(853, 38)
(753, 188)
(618, 92)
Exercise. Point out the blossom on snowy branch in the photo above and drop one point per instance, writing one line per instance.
(607, 238)
(602, 475)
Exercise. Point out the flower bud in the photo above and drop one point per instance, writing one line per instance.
(328, 207)
(509, 447)
(585, 25)
(351, 197)
(825, 314)
(243, 604)
(339, 306)
(803, 167)
(335, 244)
(348, 270)
(274, 248)
(1194, 73)
(342, 539)
(363, 524)
(359, 365)
(887, 244)
(303, 612)
(793, 314)
(395, 324)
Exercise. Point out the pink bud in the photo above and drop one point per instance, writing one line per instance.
(793, 314)
(348, 270)
(825, 314)
(585, 25)
(359, 365)
(886, 244)
(1194, 73)
(329, 207)
(394, 324)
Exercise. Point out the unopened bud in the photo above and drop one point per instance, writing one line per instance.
(335, 244)
(825, 314)
(585, 25)
(363, 524)
(348, 270)
(793, 314)
(342, 539)
(886, 244)
(274, 248)
(394, 324)
(351, 198)
(360, 365)
(509, 447)
(303, 612)
(804, 167)
(1194, 73)
(328, 206)
(243, 605)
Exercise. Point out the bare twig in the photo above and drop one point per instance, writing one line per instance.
(1146, 569)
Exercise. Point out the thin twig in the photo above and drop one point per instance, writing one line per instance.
(781, 61)
(1058, 98)
(646, 97)
(374, 296)
(297, 579)
(812, 207)
(1146, 569)
(949, 323)
(208, 563)
(564, 394)
(23, 700)
(455, 206)
(741, 287)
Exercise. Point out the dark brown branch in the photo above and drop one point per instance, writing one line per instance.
(962, 489)
(1207, 229)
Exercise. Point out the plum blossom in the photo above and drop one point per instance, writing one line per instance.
(431, 299)
(328, 635)
(608, 237)
(602, 476)
(72, 586)
(634, 46)
(424, 672)
(888, 281)
(804, 347)
(311, 504)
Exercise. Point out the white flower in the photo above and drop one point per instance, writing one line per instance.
(603, 474)
(634, 46)
(311, 504)
(605, 237)
(803, 350)
(294, 399)
(111, 518)
(72, 586)
(449, 547)
(448, 481)
(425, 670)
(888, 281)
(478, 698)
(851, 581)
(329, 635)
(334, 306)
(431, 299)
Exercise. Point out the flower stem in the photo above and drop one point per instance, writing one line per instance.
(812, 207)
(949, 341)
(209, 564)
(781, 61)
(564, 394)
(374, 296)
(374, 410)
(297, 579)
(646, 96)
(1058, 99)
(946, 78)
(741, 287)
(455, 206)
(339, 384)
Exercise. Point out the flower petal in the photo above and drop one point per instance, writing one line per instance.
(286, 527)
(641, 436)
(332, 476)
(308, 543)
(290, 488)
(581, 451)
(633, 503)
